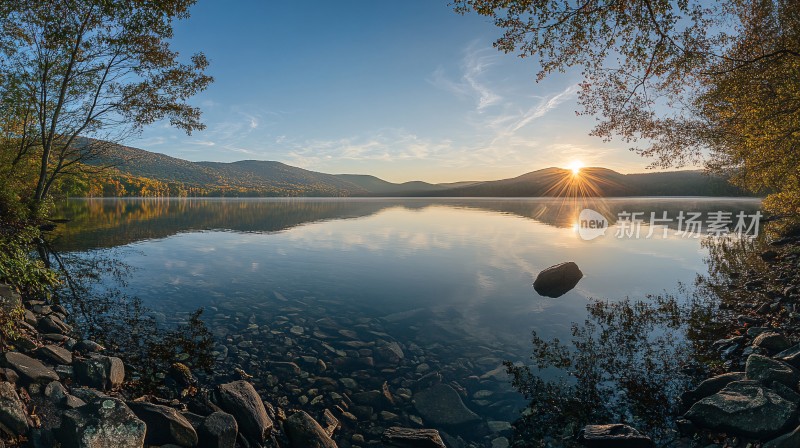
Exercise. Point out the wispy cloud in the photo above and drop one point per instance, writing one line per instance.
(472, 83)
(201, 142)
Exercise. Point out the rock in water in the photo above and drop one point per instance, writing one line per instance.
(241, 400)
(304, 432)
(440, 405)
(557, 280)
(744, 408)
(613, 436)
(105, 422)
(164, 425)
(412, 438)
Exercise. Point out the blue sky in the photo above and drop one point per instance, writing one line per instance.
(404, 90)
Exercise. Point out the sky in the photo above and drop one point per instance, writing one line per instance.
(400, 89)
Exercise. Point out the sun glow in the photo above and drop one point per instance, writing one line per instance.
(575, 166)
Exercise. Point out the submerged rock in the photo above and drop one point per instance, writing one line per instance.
(613, 436)
(557, 280)
(441, 405)
(412, 438)
(744, 408)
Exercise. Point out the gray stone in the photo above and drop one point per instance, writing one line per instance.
(29, 369)
(52, 324)
(766, 370)
(55, 354)
(241, 400)
(105, 422)
(744, 408)
(390, 352)
(56, 392)
(101, 372)
(711, 386)
(614, 435)
(87, 394)
(557, 280)
(304, 432)
(218, 430)
(771, 341)
(441, 405)
(73, 402)
(412, 438)
(164, 425)
(791, 356)
(13, 415)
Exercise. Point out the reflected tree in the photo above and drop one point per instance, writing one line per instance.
(93, 293)
(630, 360)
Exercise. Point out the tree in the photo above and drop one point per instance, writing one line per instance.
(91, 68)
(685, 82)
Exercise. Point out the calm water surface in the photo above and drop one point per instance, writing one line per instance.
(449, 277)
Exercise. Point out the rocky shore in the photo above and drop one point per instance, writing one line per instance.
(56, 391)
(756, 401)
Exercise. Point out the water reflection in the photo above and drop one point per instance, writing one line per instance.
(100, 223)
(448, 280)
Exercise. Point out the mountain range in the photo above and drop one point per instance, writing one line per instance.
(138, 172)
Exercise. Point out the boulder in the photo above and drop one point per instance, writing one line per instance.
(29, 369)
(13, 415)
(771, 341)
(101, 372)
(55, 354)
(412, 438)
(557, 280)
(218, 430)
(164, 425)
(304, 432)
(241, 400)
(711, 386)
(766, 370)
(440, 405)
(746, 408)
(613, 436)
(105, 422)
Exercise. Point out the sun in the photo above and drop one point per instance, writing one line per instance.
(575, 166)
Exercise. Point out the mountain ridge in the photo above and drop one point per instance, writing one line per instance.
(137, 171)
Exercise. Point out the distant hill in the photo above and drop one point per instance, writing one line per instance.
(137, 172)
(374, 185)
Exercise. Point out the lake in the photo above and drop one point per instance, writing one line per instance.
(385, 289)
